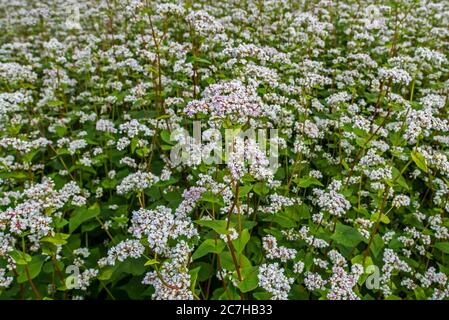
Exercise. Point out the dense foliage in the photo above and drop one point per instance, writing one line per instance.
(93, 97)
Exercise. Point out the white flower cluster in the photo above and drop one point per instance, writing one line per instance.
(337, 99)
(314, 281)
(258, 164)
(80, 254)
(356, 92)
(13, 102)
(277, 202)
(391, 263)
(401, 200)
(311, 240)
(160, 225)
(137, 181)
(431, 276)
(133, 127)
(436, 224)
(423, 123)
(232, 235)
(436, 159)
(122, 251)
(227, 98)
(298, 267)
(6, 244)
(342, 283)
(190, 197)
(261, 53)
(172, 280)
(5, 281)
(331, 201)
(272, 278)
(105, 125)
(169, 8)
(395, 75)
(337, 258)
(203, 23)
(34, 213)
(269, 243)
(85, 278)
(72, 145)
(24, 146)
(432, 56)
(13, 72)
(320, 263)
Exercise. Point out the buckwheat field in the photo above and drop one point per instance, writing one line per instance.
(207, 150)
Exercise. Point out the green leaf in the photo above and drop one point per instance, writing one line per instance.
(262, 295)
(134, 143)
(244, 190)
(298, 292)
(250, 279)
(82, 215)
(164, 116)
(193, 276)
(165, 135)
(166, 147)
(201, 60)
(347, 236)
(105, 274)
(13, 174)
(218, 226)
(399, 178)
(59, 223)
(282, 219)
(419, 160)
(208, 246)
(55, 103)
(34, 268)
(292, 212)
(304, 211)
(420, 294)
(228, 263)
(345, 165)
(151, 262)
(57, 239)
(129, 266)
(442, 246)
(383, 218)
(308, 181)
(240, 243)
(297, 212)
(377, 245)
(360, 259)
(109, 183)
(19, 257)
(261, 189)
(211, 197)
(206, 270)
